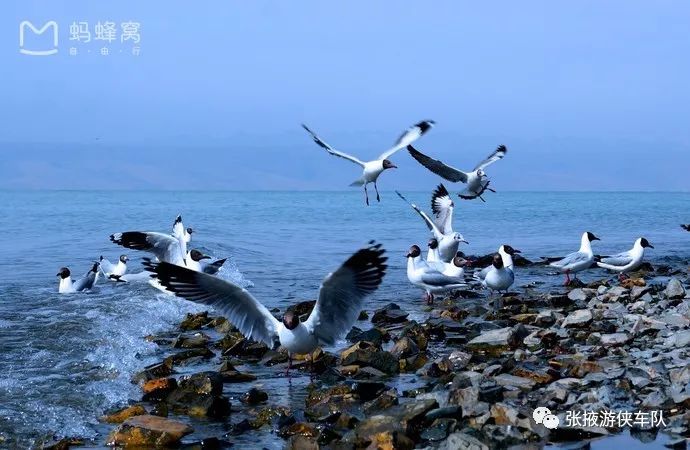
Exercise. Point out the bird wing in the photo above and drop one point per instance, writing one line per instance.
(434, 278)
(442, 206)
(235, 303)
(409, 136)
(343, 291)
(483, 273)
(214, 267)
(621, 259)
(573, 258)
(106, 266)
(88, 280)
(438, 167)
(330, 149)
(686, 227)
(178, 230)
(429, 223)
(164, 246)
(499, 153)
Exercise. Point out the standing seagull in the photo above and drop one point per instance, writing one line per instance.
(626, 261)
(430, 280)
(499, 277)
(372, 169)
(171, 248)
(448, 240)
(112, 271)
(579, 260)
(67, 286)
(476, 180)
(506, 253)
(337, 307)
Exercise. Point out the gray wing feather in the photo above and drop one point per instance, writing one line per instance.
(429, 223)
(438, 279)
(499, 153)
(573, 258)
(438, 167)
(621, 259)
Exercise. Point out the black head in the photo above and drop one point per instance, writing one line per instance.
(425, 125)
(124, 259)
(189, 230)
(290, 320)
(591, 237)
(645, 243)
(196, 255)
(63, 273)
(414, 251)
(95, 266)
(388, 165)
(459, 261)
(498, 261)
(178, 219)
(510, 250)
(433, 243)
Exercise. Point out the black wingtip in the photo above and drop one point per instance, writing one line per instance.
(685, 227)
(369, 265)
(502, 148)
(178, 219)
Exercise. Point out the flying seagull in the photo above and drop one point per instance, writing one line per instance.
(339, 302)
(372, 169)
(477, 182)
(171, 248)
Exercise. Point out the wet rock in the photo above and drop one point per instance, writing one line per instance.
(377, 336)
(124, 414)
(158, 370)
(389, 314)
(367, 390)
(149, 431)
(196, 340)
(367, 354)
(381, 403)
(540, 375)
(298, 429)
(62, 444)
(300, 442)
(200, 395)
(203, 383)
(459, 359)
(195, 321)
(578, 319)
(614, 339)
(231, 375)
(440, 366)
(254, 396)
(577, 295)
(188, 356)
(439, 429)
(363, 316)
(158, 389)
(674, 289)
(679, 339)
(247, 349)
(404, 348)
(458, 440)
(508, 380)
(417, 333)
(407, 418)
(497, 341)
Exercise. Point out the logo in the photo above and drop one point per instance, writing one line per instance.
(543, 416)
(38, 31)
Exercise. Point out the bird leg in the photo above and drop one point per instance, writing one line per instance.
(481, 198)
(287, 371)
(366, 195)
(378, 198)
(622, 277)
(431, 299)
(489, 189)
(567, 278)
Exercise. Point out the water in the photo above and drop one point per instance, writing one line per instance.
(64, 360)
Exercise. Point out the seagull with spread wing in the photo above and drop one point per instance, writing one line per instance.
(477, 182)
(372, 169)
(340, 300)
(171, 248)
(442, 228)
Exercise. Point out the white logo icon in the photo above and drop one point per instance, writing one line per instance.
(38, 31)
(543, 415)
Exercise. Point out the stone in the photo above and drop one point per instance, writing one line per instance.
(439, 429)
(497, 341)
(196, 340)
(124, 414)
(158, 389)
(149, 431)
(199, 395)
(195, 321)
(508, 380)
(404, 348)
(577, 294)
(678, 339)
(254, 396)
(158, 370)
(300, 442)
(674, 289)
(367, 354)
(203, 383)
(578, 319)
(389, 314)
(462, 441)
(459, 359)
(231, 375)
(615, 339)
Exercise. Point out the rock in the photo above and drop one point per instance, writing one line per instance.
(232, 375)
(367, 390)
(678, 339)
(158, 370)
(363, 316)
(508, 380)
(407, 418)
(404, 348)
(417, 333)
(376, 336)
(196, 340)
(539, 375)
(578, 319)
(674, 289)
(300, 442)
(254, 396)
(158, 389)
(577, 295)
(439, 429)
(298, 428)
(464, 441)
(367, 354)
(497, 341)
(459, 359)
(614, 339)
(199, 395)
(389, 314)
(195, 321)
(124, 414)
(203, 383)
(149, 431)
(186, 356)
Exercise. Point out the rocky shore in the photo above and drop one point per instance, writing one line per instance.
(475, 373)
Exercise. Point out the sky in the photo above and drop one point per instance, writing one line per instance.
(586, 95)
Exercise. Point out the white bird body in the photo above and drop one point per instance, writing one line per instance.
(579, 260)
(371, 170)
(499, 279)
(432, 281)
(88, 281)
(300, 340)
(171, 248)
(626, 261)
(113, 272)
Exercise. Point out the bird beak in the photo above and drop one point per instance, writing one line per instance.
(650, 246)
(516, 251)
(205, 257)
(462, 240)
(407, 255)
(595, 238)
(57, 274)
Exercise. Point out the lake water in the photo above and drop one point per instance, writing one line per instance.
(66, 359)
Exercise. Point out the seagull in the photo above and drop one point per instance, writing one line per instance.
(430, 280)
(686, 227)
(456, 268)
(195, 261)
(506, 253)
(171, 248)
(340, 299)
(476, 180)
(498, 277)
(372, 169)
(576, 261)
(448, 240)
(112, 271)
(626, 261)
(67, 286)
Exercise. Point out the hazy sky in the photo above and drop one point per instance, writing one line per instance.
(587, 95)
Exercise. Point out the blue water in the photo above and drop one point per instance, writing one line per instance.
(66, 359)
